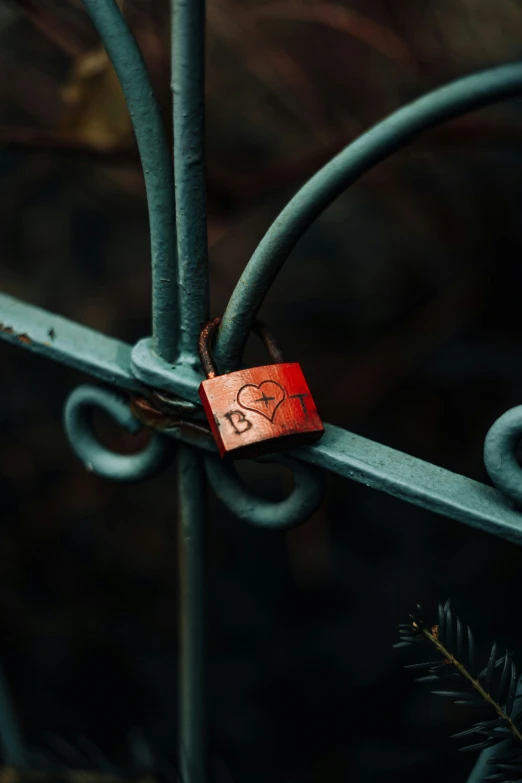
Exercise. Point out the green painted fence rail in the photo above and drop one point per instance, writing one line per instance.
(164, 369)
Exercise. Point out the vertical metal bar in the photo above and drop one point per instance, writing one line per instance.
(188, 86)
(156, 159)
(191, 535)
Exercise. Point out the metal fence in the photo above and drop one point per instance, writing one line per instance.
(155, 383)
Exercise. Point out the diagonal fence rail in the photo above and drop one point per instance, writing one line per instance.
(155, 383)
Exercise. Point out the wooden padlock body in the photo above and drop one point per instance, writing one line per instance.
(260, 409)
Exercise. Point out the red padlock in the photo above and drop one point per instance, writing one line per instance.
(257, 410)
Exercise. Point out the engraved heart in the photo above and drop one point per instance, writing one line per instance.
(264, 399)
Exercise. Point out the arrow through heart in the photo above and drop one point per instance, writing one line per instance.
(264, 399)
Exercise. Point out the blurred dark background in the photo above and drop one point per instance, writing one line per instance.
(402, 304)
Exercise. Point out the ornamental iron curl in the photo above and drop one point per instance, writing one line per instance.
(500, 456)
(155, 383)
(79, 428)
(304, 499)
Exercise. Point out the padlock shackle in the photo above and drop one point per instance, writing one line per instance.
(208, 333)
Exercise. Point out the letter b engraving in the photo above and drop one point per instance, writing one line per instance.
(239, 421)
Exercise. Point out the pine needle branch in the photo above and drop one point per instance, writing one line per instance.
(449, 658)
(494, 686)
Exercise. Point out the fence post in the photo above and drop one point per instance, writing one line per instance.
(191, 556)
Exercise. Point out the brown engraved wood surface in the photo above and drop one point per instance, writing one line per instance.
(260, 409)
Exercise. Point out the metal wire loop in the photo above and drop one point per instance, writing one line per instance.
(305, 498)
(209, 332)
(367, 150)
(500, 454)
(80, 432)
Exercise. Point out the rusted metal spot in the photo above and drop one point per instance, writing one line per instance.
(194, 432)
(208, 333)
(24, 338)
(148, 414)
(197, 433)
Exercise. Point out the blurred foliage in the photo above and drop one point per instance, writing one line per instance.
(402, 304)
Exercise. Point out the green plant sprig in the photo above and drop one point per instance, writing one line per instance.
(494, 687)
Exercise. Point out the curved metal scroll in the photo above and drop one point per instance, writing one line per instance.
(500, 454)
(304, 499)
(156, 160)
(297, 507)
(81, 435)
(381, 141)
